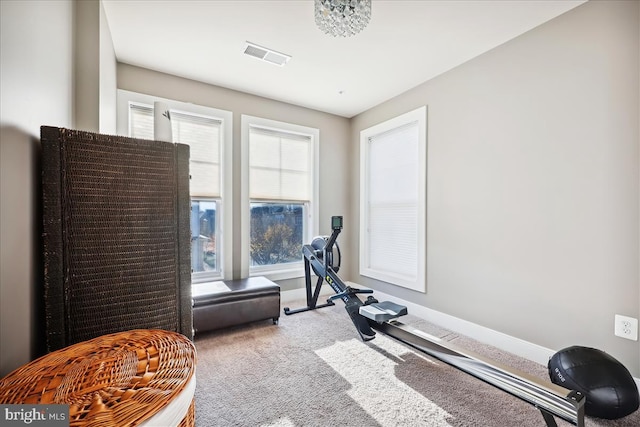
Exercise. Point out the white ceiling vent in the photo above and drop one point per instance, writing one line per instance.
(266, 54)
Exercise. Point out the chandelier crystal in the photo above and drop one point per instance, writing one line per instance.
(342, 18)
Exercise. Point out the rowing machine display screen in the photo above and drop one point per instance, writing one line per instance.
(336, 222)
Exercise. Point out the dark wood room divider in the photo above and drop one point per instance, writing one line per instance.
(116, 235)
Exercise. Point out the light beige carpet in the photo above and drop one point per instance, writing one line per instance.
(313, 370)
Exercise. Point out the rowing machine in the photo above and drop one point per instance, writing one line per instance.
(552, 400)
(319, 257)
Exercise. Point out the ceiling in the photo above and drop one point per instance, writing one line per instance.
(405, 44)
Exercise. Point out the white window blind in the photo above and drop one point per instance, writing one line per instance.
(280, 165)
(201, 133)
(393, 201)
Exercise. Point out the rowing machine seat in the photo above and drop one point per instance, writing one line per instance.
(382, 311)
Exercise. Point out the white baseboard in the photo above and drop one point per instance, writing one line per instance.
(483, 334)
(301, 294)
(517, 346)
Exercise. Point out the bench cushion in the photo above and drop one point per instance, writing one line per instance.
(232, 290)
(221, 304)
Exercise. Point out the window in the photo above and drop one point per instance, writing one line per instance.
(204, 233)
(393, 200)
(205, 130)
(276, 233)
(279, 193)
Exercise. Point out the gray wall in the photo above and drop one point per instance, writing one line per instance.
(335, 157)
(49, 68)
(107, 78)
(533, 183)
(95, 70)
(37, 88)
(87, 66)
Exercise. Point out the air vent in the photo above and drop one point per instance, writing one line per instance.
(266, 54)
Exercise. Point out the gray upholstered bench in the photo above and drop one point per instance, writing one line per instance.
(233, 302)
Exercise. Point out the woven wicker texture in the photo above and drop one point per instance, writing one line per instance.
(116, 235)
(119, 379)
(190, 419)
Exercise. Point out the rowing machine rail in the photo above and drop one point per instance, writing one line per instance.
(550, 399)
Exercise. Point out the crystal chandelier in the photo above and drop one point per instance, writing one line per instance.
(342, 18)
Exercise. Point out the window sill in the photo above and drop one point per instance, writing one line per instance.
(206, 278)
(294, 272)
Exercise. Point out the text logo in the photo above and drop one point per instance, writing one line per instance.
(35, 415)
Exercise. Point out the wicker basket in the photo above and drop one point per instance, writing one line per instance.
(120, 379)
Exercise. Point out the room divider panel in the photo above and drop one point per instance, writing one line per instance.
(116, 217)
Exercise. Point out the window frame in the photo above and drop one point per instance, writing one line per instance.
(207, 276)
(288, 270)
(224, 203)
(417, 283)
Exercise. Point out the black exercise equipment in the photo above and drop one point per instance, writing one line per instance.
(609, 388)
(552, 400)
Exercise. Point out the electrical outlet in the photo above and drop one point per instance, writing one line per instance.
(626, 327)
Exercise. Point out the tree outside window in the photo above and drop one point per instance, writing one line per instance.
(276, 233)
